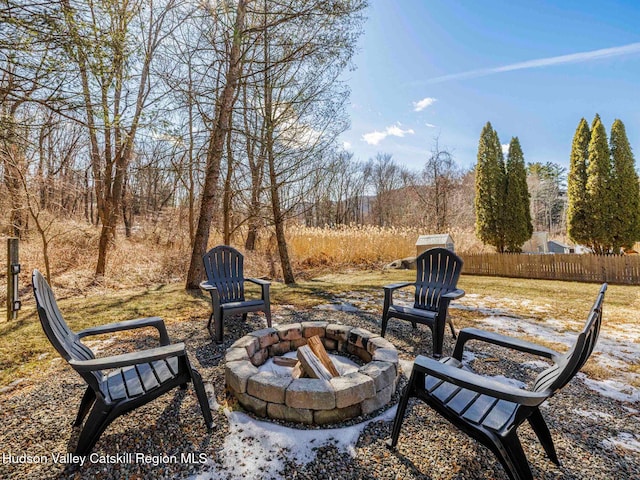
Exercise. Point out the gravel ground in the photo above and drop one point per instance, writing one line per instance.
(37, 416)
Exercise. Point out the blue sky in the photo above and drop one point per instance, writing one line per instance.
(428, 68)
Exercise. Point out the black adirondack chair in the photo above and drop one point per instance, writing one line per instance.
(491, 411)
(224, 266)
(435, 286)
(134, 379)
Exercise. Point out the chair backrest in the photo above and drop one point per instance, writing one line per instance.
(569, 364)
(224, 267)
(438, 273)
(64, 340)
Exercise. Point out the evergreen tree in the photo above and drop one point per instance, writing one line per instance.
(517, 224)
(490, 190)
(599, 189)
(625, 194)
(578, 208)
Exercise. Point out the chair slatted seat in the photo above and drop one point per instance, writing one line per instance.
(224, 267)
(491, 411)
(438, 270)
(120, 383)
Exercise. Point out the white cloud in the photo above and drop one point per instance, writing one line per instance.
(422, 104)
(346, 145)
(430, 125)
(630, 49)
(376, 137)
(505, 148)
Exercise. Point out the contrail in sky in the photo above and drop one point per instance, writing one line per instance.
(543, 62)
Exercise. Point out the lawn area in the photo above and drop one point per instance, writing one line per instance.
(40, 392)
(23, 345)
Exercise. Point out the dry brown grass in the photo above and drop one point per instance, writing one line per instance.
(364, 246)
(159, 252)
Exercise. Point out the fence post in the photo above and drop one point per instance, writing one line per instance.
(13, 270)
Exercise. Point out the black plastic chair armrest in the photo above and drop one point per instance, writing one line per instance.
(127, 359)
(477, 383)
(207, 286)
(395, 286)
(454, 294)
(155, 322)
(258, 281)
(467, 334)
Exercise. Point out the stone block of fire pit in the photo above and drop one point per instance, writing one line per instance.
(268, 386)
(311, 393)
(251, 344)
(311, 329)
(323, 417)
(292, 331)
(338, 332)
(381, 398)
(266, 337)
(383, 374)
(283, 412)
(253, 404)
(360, 337)
(378, 342)
(238, 374)
(386, 355)
(353, 388)
(280, 348)
(236, 354)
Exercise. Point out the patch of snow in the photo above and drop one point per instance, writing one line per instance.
(592, 414)
(257, 449)
(98, 345)
(211, 396)
(618, 390)
(623, 440)
(468, 357)
(518, 328)
(481, 310)
(536, 364)
(339, 307)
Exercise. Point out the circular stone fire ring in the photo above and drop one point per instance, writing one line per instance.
(311, 400)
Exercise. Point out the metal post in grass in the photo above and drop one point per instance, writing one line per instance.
(13, 271)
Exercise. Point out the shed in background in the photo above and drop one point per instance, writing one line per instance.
(425, 242)
(558, 247)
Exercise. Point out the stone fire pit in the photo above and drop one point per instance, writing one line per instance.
(310, 400)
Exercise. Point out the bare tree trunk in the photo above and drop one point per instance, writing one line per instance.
(14, 165)
(256, 167)
(227, 196)
(278, 217)
(127, 213)
(224, 109)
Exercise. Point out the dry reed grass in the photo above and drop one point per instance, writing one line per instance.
(158, 252)
(364, 246)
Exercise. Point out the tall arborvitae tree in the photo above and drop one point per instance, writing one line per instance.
(599, 189)
(578, 209)
(490, 190)
(625, 225)
(517, 224)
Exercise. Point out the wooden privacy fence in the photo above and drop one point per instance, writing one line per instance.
(621, 269)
